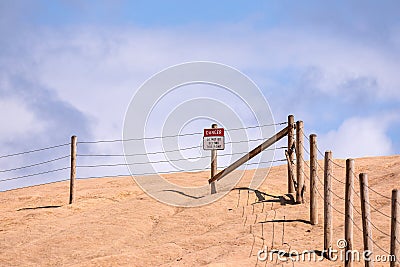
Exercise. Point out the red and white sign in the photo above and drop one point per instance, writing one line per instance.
(214, 132)
(214, 139)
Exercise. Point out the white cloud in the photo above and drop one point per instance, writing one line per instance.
(18, 121)
(97, 70)
(359, 137)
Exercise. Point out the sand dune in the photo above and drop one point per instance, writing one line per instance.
(114, 223)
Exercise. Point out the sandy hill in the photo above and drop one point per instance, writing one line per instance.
(114, 223)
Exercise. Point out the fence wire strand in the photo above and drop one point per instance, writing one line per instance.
(34, 150)
(35, 174)
(176, 135)
(351, 203)
(36, 164)
(29, 186)
(170, 172)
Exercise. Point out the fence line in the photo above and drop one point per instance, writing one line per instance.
(163, 152)
(351, 203)
(299, 158)
(171, 172)
(177, 135)
(36, 164)
(35, 174)
(61, 168)
(34, 150)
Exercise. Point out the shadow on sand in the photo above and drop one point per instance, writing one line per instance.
(286, 199)
(41, 207)
(182, 193)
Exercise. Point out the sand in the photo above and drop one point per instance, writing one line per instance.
(114, 223)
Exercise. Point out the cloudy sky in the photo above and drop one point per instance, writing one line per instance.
(71, 67)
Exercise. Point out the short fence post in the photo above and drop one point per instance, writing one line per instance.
(313, 180)
(395, 229)
(73, 170)
(291, 143)
(300, 163)
(348, 210)
(328, 231)
(213, 165)
(366, 218)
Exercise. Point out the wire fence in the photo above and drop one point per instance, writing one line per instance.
(54, 166)
(355, 208)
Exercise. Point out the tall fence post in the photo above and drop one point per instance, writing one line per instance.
(291, 143)
(73, 170)
(366, 218)
(313, 180)
(299, 162)
(395, 229)
(348, 211)
(213, 165)
(328, 231)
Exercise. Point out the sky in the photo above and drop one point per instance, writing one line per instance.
(71, 68)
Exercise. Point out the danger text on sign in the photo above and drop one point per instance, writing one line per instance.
(214, 139)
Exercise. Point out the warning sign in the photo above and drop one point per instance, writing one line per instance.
(214, 139)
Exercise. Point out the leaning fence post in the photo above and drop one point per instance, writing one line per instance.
(73, 170)
(291, 143)
(395, 229)
(313, 180)
(348, 211)
(366, 218)
(299, 162)
(213, 165)
(328, 231)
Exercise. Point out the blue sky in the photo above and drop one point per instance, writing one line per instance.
(70, 67)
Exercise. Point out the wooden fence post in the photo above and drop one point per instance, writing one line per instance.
(328, 231)
(313, 180)
(213, 165)
(291, 143)
(73, 170)
(300, 162)
(366, 217)
(348, 210)
(395, 229)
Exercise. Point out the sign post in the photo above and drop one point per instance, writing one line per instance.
(213, 140)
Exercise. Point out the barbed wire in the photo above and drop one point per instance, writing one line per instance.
(35, 185)
(351, 203)
(164, 161)
(376, 192)
(163, 152)
(353, 222)
(373, 241)
(34, 150)
(107, 176)
(36, 164)
(35, 174)
(176, 135)
(151, 162)
(170, 172)
(337, 164)
(369, 203)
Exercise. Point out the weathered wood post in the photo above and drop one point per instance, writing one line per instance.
(366, 218)
(313, 180)
(73, 170)
(395, 229)
(213, 165)
(328, 230)
(300, 162)
(348, 211)
(291, 143)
